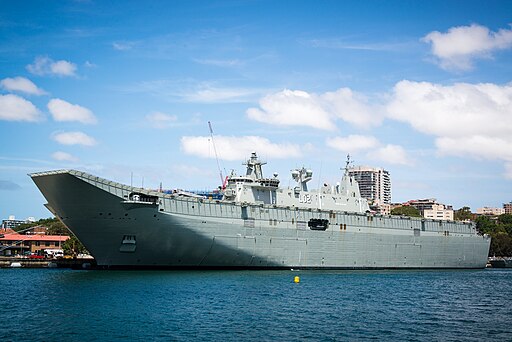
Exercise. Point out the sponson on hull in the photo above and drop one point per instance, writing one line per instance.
(256, 224)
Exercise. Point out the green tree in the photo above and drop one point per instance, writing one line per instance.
(462, 214)
(73, 246)
(501, 244)
(53, 225)
(485, 225)
(505, 219)
(500, 230)
(406, 210)
(25, 226)
(56, 227)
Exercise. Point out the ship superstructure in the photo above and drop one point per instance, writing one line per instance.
(256, 224)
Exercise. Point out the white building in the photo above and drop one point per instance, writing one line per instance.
(374, 183)
(429, 208)
(438, 212)
(490, 211)
(12, 223)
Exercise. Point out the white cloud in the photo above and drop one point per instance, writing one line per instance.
(123, 46)
(477, 146)
(65, 111)
(457, 48)
(88, 64)
(211, 94)
(74, 138)
(21, 84)
(390, 154)
(352, 143)
(299, 108)
(63, 68)
(15, 108)
(225, 63)
(292, 108)
(161, 120)
(237, 148)
(63, 156)
(352, 107)
(190, 90)
(44, 65)
(466, 119)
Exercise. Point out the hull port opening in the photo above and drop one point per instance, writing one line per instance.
(318, 224)
(139, 197)
(129, 244)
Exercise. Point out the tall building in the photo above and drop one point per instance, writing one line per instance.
(374, 183)
(507, 207)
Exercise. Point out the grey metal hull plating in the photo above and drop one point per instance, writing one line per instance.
(190, 232)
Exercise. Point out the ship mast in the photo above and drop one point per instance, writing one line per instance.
(347, 164)
(215, 151)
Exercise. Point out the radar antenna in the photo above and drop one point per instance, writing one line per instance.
(215, 151)
(348, 162)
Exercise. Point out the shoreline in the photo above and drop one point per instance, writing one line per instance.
(76, 263)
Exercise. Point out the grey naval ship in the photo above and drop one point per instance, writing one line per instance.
(256, 224)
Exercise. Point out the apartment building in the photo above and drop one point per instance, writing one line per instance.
(490, 211)
(374, 184)
(438, 212)
(429, 208)
(507, 207)
(12, 222)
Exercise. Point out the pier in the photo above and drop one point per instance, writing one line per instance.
(76, 263)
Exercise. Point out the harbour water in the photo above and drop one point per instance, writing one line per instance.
(67, 305)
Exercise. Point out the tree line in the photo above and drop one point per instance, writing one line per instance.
(500, 230)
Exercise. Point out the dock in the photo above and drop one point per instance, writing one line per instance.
(74, 263)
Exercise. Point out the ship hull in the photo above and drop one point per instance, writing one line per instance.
(179, 232)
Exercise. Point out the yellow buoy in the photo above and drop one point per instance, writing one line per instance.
(296, 279)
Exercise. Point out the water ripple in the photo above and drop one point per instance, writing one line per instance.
(256, 306)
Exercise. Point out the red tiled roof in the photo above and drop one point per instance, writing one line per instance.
(7, 231)
(21, 237)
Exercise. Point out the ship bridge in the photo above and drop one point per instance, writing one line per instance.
(252, 186)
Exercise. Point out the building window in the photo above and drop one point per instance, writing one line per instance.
(47, 243)
(38, 243)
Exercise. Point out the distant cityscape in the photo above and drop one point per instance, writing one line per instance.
(375, 186)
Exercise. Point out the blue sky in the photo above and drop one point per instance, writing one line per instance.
(114, 88)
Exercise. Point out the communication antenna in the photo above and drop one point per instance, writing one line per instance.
(215, 151)
(347, 165)
(320, 175)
